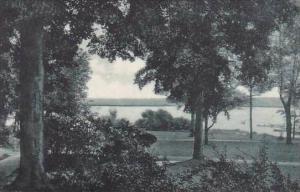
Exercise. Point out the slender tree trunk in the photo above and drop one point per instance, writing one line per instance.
(288, 118)
(3, 118)
(251, 108)
(294, 126)
(3, 133)
(31, 173)
(206, 129)
(192, 123)
(3, 111)
(198, 134)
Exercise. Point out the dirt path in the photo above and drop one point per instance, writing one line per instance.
(10, 163)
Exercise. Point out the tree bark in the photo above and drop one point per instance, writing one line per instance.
(251, 111)
(198, 134)
(287, 109)
(3, 118)
(206, 129)
(31, 174)
(3, 133)
(192, 123)
(294, 126)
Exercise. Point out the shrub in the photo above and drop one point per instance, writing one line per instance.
(136, 172)
(68, 138)
(94, 154)
(162, 120)
(181, 123)
(224, 175)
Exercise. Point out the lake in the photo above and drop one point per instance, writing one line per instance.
(265, 120)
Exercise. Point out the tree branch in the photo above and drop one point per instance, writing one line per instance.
(208, 128)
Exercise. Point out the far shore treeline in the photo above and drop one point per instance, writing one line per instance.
(257, 102)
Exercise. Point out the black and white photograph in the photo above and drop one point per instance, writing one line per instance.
(149, 95)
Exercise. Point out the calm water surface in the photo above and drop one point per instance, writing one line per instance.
(265, 120)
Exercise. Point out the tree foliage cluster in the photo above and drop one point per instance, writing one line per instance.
(187, 46)
(162, 120)
(47, 38)
(285, 67)
(8, 78)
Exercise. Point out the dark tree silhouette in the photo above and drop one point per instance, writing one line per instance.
(33, 22)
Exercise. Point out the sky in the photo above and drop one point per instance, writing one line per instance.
(116, 80)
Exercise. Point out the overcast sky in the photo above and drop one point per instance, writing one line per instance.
(115, 80)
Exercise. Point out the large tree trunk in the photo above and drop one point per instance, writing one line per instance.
(251, 108)
(198, 134)
(31, 173)
(206, 129)
(288, 119)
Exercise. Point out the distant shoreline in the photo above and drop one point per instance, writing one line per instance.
(267, 102)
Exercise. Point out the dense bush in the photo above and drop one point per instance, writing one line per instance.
(89, 154)
(180, 123)
(162, 120)
(224, 175)
(67, 138)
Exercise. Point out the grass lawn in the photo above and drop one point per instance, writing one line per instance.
(276, 151)
(177, 146)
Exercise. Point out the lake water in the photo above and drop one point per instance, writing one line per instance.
(265, 120)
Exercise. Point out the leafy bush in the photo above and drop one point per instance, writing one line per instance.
(95, 154)
(137, 171)
(162, 120)
(68, 138)
(224, 175)
(180, 123)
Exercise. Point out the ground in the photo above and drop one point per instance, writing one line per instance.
(9, 161)
(178, 146)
